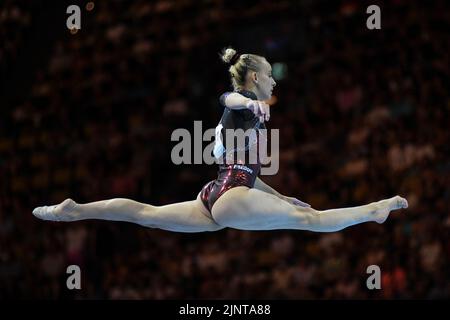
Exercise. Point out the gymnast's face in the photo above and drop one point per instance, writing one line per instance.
(263, 81)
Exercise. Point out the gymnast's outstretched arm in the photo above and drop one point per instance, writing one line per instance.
(236, 101)
(260, 185)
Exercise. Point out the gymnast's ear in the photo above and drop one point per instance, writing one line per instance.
(254, 77)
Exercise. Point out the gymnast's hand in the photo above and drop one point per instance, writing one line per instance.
(296, 202)
(260, 109)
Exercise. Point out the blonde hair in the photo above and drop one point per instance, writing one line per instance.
(240, 66)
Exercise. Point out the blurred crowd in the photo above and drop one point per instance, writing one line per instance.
(15, 21)
(363, 115)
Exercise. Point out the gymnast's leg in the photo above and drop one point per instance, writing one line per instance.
(252, 209)
(188, 216)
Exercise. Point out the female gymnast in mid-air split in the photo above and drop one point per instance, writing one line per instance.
(237, 198)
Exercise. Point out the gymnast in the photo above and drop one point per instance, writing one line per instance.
(237, 198)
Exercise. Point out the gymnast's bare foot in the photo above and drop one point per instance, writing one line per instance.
(59, 212)
(384, 207)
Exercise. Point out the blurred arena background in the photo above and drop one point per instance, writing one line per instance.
(363, 115)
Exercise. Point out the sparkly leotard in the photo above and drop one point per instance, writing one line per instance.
(236, 169)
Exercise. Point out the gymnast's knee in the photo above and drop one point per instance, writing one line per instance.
(307, 217)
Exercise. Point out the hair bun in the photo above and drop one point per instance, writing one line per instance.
(230, 56)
